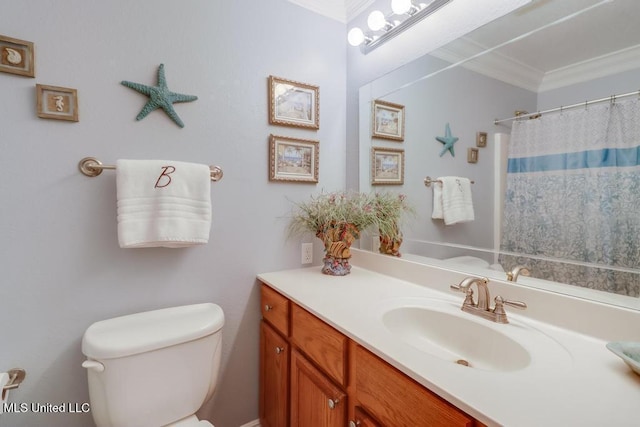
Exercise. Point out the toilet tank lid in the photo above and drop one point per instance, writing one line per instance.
(151, 330)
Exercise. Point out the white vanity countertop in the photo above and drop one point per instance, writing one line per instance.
(589, 386)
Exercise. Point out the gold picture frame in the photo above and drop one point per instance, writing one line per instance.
(293, 103)
(387, 166)
(388, 120)
(293, 159)
(472, 155)
(481, 139)
(17, 57)
(58, 103)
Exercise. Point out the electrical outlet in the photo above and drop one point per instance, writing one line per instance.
(307, 253)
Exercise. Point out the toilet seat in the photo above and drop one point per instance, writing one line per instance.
(191, 421)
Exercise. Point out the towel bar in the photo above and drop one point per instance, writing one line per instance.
(16, 376)
(428, 181)
(90, 166)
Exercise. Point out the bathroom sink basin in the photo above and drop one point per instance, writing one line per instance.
(441, 329)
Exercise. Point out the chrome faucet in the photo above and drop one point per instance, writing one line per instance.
(482, 309)
(512, 275)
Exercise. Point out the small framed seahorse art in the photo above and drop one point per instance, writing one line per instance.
(16, 57)
(55, 102)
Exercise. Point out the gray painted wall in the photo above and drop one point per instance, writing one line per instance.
(62, 268)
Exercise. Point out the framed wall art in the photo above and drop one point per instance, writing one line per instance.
(388, 120)
(293, 103)
(472, 155)
(59, 103)
(17, 57)
(481, 139)
(293, 159)
(387, 166)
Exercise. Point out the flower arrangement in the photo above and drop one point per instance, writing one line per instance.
(337, 219)
(325, 209)
(390, 208)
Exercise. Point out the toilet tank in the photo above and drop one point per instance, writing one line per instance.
(153, 368)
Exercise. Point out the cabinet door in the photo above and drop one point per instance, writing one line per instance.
(315, 400)
(362, 419)
(274, 378)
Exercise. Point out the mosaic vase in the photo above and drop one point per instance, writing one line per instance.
(337, 239)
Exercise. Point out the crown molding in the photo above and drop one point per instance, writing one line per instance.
(356, 7)
(492, 64)
(340, 10)
(503, 68)
(602, 66)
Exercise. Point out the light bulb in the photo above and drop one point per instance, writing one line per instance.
(355, 36)
(376, 20)
(400, 7)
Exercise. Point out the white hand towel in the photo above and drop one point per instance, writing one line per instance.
(457, 205)
(437, 200)
(163, 203)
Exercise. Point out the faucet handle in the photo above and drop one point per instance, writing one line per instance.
(500, 302)
(517, 304)
(498, 310)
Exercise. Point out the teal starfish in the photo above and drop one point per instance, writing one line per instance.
(448, 141)
(160, 97)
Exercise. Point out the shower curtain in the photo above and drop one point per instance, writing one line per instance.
(573, 194)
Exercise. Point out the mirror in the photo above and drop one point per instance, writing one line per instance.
(542, 56)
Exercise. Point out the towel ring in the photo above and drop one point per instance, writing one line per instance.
(92, 167)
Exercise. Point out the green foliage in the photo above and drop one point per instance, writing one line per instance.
(382, 210)
(390, 209)
(325, 209)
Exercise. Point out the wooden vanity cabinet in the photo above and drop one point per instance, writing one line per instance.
(302, 367)
(274, 378)
(315, 400)
(311, 375)
(274, 359)
(397, 400)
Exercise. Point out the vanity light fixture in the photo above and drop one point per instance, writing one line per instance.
(405, 13)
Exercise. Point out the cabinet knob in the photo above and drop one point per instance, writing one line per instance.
(332, 403)
(279, 350)
(268, 307)
(355, 423)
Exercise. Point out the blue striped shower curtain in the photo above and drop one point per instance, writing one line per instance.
(573, 194)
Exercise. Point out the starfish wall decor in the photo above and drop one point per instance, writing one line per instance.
(160, 97)
(448, 141)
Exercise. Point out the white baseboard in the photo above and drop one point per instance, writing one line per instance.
(254, 423)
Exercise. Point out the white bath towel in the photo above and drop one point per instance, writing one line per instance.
(437, 200)
(163, 203)
(457, 204)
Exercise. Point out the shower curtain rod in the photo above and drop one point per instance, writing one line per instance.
(611, 98)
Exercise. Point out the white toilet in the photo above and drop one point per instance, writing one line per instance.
(153, 369)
